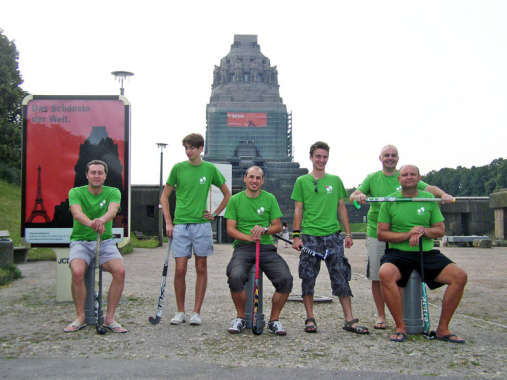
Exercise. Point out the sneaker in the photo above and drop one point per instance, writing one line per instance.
(237, 326)
(276, 328)
(195, 319)
(178, 318)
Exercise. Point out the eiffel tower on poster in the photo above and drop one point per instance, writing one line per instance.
(38, 208)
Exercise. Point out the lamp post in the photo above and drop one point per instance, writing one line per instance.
(160, 224)
(122, 76)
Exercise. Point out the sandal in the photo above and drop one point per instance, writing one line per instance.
(398, 337)
(451, 338)
(74, 326)
(310, 325)
(380, 325)
(355, 329)
(116, 327)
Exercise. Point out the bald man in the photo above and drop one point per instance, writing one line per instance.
(404, 225)
(381, 184)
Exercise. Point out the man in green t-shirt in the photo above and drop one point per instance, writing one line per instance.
(403, 224)
(381, 184)
(319, 199)
(93, 208)
(190, 230)
(254, 215)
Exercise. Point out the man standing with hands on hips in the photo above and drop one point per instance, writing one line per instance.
(191, 229)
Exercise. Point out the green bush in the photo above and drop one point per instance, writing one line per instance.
(9, 273)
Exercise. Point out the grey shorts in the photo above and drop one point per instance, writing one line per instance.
(337, 264)
(375, 249)
(191, 238)
(86, 250)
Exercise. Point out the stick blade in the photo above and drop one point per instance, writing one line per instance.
(154, 321)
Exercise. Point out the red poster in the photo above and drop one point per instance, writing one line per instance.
(61, 135)
(245, 119)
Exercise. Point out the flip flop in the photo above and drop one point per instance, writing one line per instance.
(380, 325)
(451, 338)
(310, 325)
(74, 326)
(399, 337)
(116, 327)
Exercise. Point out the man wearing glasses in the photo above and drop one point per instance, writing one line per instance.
(319, 199)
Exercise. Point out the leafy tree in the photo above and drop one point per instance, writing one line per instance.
(11, 96)
(476, 181)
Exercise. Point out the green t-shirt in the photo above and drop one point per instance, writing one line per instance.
(249, 212)
(402, 216)
(93, 206)
(192, 184)
(320, 208)
(380, 185)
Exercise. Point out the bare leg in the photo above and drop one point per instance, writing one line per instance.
(308, 302)
(277, 303)
(347, 307)
(456, 279)
(180, 287)
(117, 270)
(201, 282)
(78, 268)
(378, 298)
(239, 299)
(389, 275)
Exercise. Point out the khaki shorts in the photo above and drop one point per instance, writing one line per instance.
(375, 250)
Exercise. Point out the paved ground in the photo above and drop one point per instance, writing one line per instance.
(32, 343)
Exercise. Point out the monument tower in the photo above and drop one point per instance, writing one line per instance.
(248, 124)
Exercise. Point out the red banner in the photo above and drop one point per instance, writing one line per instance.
(243, 119)
(62, 134)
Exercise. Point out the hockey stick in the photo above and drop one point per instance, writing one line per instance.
(394, 199)
(426, 313)
(156, 320)
(99, 324)
(308, 251)
(256, 329)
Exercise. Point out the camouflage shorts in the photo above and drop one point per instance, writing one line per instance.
(337, 264)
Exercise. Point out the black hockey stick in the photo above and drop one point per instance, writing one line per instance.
(156, 320)
(308, 251)
(426, 313)
(99, 324)
(256, 329)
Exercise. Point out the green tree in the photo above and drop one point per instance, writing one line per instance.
(11, 96)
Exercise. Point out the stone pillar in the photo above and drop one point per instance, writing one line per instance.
(498, 202)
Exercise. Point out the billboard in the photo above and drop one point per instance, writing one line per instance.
(247, 119)
(61, 134)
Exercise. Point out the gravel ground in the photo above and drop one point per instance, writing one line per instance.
(32, 322)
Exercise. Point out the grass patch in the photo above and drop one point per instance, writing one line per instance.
(41, 254)
(357, 227)
(9, 273)
(151, 242)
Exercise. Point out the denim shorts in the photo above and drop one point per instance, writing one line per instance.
(86, 250)
(191, 238)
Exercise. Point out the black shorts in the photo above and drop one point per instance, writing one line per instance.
(270, 262)
(434, 262)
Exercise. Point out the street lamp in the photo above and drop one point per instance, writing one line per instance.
(160, 224)
(122, 76)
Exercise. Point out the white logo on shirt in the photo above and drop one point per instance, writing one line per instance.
(329, 189)
(102, 203)
(202, 180)
(421, 210)
(260, 210)
(398, 188)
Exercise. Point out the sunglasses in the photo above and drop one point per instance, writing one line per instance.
(315, 183)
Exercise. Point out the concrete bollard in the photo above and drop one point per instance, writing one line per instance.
(412, 304)
(249, 286)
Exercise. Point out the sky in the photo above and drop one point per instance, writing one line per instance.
(426, 76)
